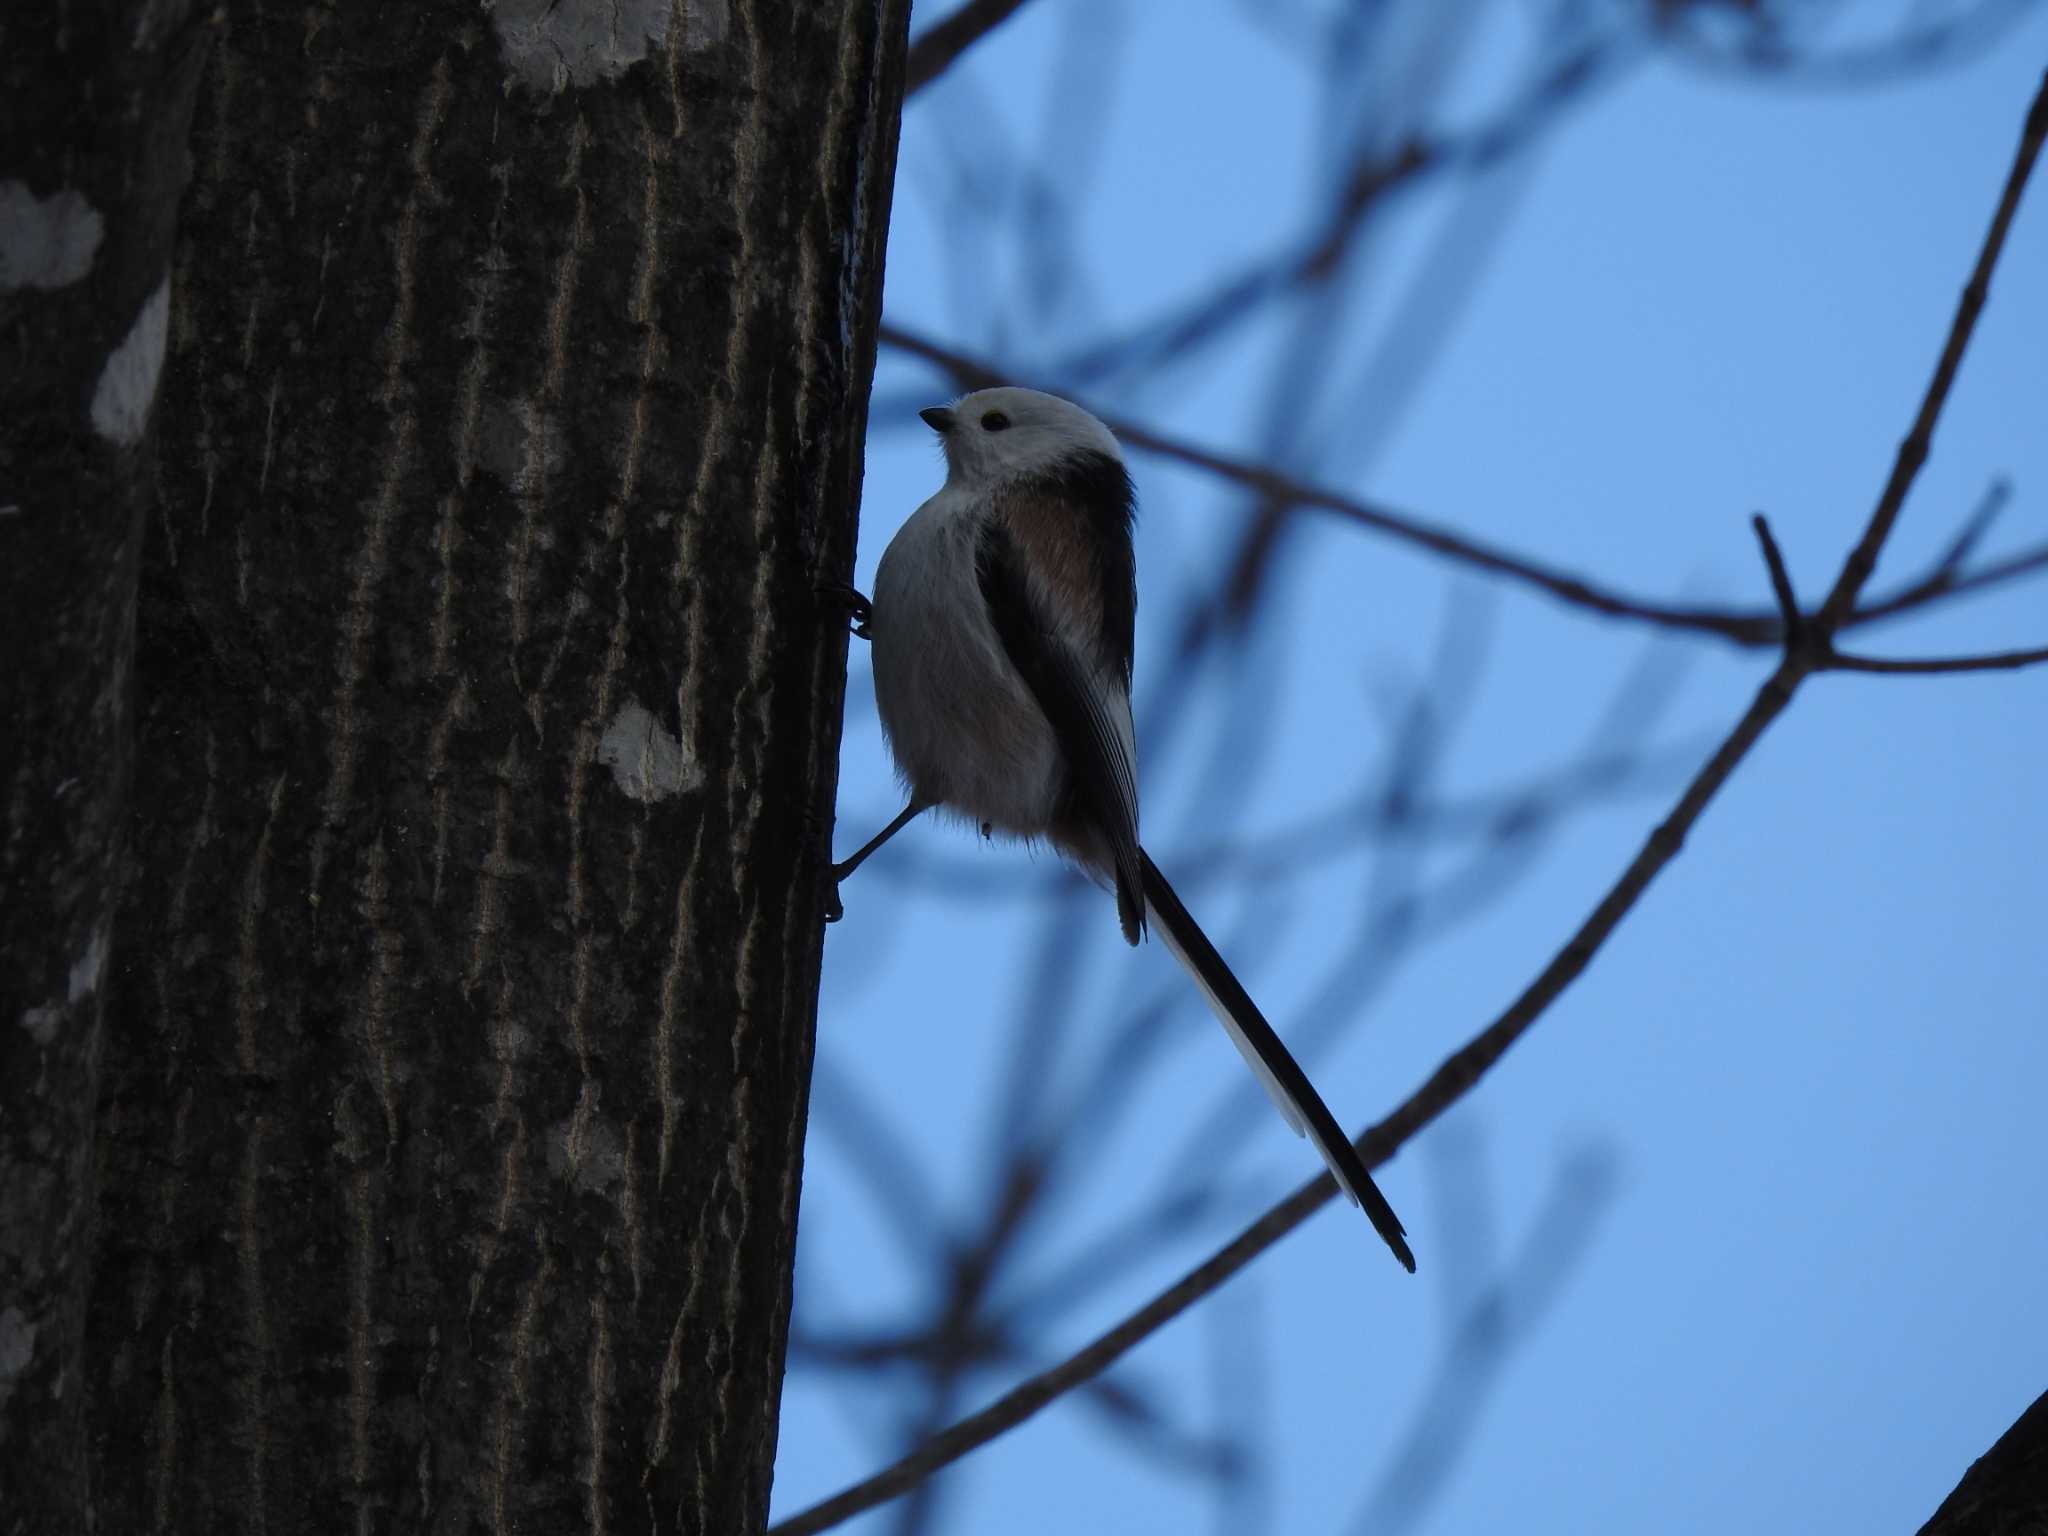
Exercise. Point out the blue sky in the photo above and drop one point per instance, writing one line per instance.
(1793, 1111)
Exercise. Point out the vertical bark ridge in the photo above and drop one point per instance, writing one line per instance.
(515, 424)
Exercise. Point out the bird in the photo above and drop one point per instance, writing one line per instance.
(1002, 627)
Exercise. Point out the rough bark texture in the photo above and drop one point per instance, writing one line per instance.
(2005, 1492)
(459, 1029)
(92, 136)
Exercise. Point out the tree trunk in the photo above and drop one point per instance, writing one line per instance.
(460, 1033)
(2005, 1492)
(92, 159)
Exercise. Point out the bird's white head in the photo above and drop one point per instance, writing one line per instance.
(1002, 434)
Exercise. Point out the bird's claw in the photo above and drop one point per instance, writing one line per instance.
(847, 599)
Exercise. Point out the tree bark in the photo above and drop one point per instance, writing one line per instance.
(92, 161)
(2005, 1492)
(460, 1029)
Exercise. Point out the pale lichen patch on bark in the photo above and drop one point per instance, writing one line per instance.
(514, 441)
(127, 384)
(594, 1166)
(705, 23)
(46, 242)
(42, 1022)
(86, 972)
(550, 45)
(648, 763)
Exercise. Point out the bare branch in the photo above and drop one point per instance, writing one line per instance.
(1781, 579)
(1493, 1322)
(1744, 627)
(1940, 583)
(1379, 171)
(1446, 1086)
(1764, 53)
(1461, 1071)
(944, 41)
(1996, 661)
(2005, 1492)
(1913, 451)
(1960, 548)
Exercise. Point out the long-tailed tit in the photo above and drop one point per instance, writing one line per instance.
(1002, 624)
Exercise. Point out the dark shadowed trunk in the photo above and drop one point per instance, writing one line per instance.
(458, 1009)
(2005, 1492)
(93, 116)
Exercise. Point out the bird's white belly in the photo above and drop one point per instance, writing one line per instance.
(964, 730)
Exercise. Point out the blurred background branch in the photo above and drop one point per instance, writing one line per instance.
(1070, 1198)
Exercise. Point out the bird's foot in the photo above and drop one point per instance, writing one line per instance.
(844, 598)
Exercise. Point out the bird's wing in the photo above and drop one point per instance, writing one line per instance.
(1088, 707)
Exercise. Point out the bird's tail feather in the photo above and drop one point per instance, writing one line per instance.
(1291, 1091)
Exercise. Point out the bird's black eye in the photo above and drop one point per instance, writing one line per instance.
(994, 421)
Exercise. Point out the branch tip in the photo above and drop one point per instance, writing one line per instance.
(1781, 581)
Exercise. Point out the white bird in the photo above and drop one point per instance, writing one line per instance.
(1002, 629)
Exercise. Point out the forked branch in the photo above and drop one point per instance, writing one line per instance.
(1803, 655)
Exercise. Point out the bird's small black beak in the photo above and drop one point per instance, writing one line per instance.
(938, 418)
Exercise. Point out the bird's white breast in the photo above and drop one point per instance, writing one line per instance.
(964, 730)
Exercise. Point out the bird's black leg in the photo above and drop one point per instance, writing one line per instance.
(833, 909)
(843, 597)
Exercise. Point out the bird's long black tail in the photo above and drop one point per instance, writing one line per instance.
(1292, 1092)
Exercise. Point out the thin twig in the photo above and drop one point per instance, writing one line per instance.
(1456, 1077)
(1362, 191)
(1996, 661)
(1939, 584)
(1762, 52)
(1781, 580)
(944, 41)
(1914, 449)
(1964, 544)
(1744, 627)
(1450, 1082)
